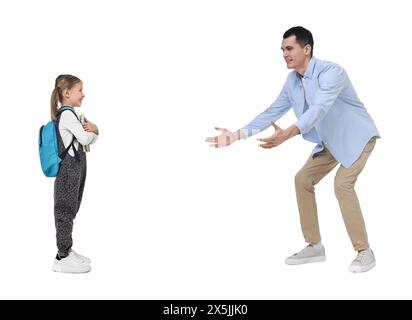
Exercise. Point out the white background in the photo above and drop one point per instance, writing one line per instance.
(164, 216)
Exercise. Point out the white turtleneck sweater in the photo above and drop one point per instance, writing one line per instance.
(70, 126)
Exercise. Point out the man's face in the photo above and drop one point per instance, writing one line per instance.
(294, 55)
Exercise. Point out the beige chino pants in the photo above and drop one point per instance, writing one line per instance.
(311, 173)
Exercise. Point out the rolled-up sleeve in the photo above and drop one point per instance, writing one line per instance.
(275, 111)
(331, 83)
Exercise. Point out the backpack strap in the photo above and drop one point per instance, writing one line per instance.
(65, 151)
(60, 111)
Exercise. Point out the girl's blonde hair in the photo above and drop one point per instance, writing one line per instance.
(63, 81)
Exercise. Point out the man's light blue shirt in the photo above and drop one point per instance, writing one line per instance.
(331, 115)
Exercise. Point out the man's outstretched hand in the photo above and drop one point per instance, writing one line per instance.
(226, 138)
(279, 136)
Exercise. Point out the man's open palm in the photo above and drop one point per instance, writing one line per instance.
(275, 139)
(225, 139)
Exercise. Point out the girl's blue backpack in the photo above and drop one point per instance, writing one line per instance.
(49, 147)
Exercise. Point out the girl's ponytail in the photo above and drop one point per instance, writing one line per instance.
(54, 102)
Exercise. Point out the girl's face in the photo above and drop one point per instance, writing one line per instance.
(74, 96)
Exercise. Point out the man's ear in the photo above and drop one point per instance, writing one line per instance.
(308, 49)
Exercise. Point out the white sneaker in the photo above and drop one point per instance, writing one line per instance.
(308, 254)
(70, 264)
(364, 261)
(81, 257)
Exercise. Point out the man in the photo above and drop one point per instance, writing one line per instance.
(331, 115)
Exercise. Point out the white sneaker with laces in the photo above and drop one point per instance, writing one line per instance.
(70, 264)
(81, 257)
(308, 254)
(364, 261)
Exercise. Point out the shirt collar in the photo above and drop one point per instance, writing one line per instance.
(309, 70)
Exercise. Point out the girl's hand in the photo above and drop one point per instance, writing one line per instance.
(90, 126)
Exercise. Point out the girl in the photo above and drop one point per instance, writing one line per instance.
(69, 183)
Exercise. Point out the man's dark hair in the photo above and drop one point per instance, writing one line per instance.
(303, 37)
